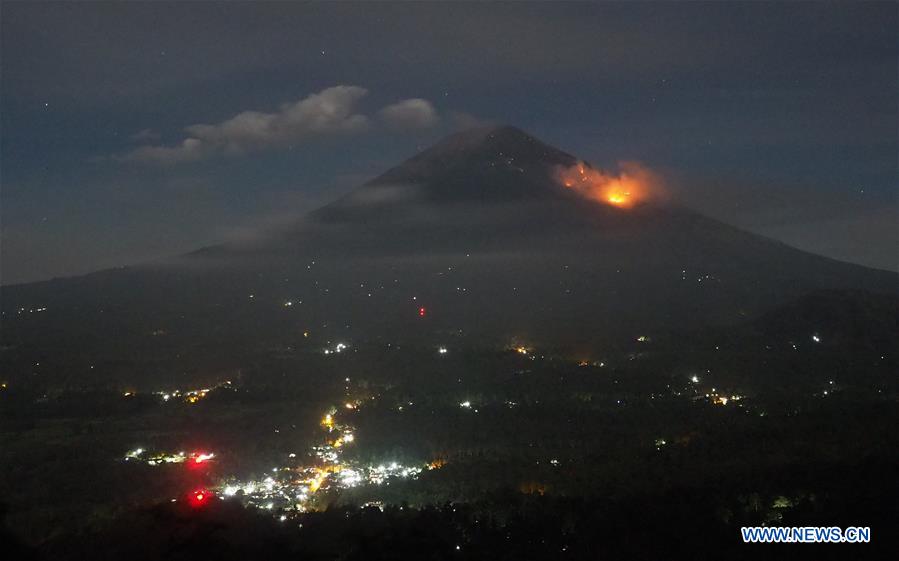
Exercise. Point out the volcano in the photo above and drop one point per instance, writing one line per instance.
(476, 230)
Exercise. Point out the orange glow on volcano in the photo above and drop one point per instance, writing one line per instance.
(620, 199)
(634, 184)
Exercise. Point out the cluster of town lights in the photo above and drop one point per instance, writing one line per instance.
(292, 488)
(162, 458)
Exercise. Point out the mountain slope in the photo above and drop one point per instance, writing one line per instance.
(477, 230)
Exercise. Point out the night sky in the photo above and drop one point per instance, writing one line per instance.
(136, 131)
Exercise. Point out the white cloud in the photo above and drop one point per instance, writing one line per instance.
(190, 149)
(410, 114)
(330, 111)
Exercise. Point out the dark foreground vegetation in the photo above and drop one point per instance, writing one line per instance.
(540, 458)
(700, 522)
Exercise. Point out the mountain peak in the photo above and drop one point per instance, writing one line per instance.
(492, 163)
(481, 148)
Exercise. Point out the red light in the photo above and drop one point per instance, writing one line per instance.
(422, 311)
(200, 496)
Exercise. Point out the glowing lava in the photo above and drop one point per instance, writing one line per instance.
(620, 199)
(634, 184)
